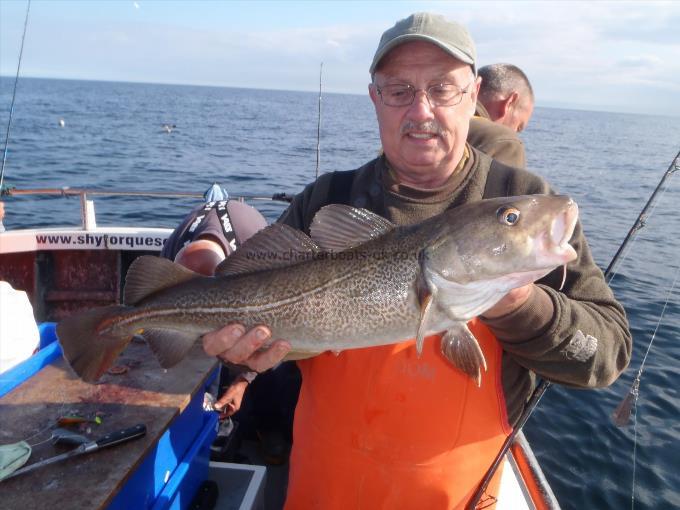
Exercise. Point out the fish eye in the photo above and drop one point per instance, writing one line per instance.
(508, 215)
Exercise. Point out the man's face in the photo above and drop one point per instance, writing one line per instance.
(423, 143)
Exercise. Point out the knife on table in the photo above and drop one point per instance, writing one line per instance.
(111, 439)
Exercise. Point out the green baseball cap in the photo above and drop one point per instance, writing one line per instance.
(450, 36)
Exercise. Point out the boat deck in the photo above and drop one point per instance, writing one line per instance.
(146, 394)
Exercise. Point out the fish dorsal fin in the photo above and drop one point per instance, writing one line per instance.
(277, 245)
(338, 227)
(149, 274)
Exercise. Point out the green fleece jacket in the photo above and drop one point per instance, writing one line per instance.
(578, 336)
(498, 141)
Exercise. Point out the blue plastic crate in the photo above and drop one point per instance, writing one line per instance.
(48, 333)
(191, 472)
(49, 351)
(188, 432)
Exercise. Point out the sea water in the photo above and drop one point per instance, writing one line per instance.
(84, 134)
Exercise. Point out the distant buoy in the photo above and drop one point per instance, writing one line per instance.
(168, 127)
(62, 123)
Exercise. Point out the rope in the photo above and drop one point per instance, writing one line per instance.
(663, 311)
(636, 382)
(632, 492)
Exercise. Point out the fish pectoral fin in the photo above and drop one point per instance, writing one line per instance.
(149, 274)
(296, 355)
(427, 295)
(426, 303)
(339, 227)
(169, 346)
(460, 347)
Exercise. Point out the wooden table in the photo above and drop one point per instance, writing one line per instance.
(145, 393)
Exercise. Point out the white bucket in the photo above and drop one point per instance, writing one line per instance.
(19, 336)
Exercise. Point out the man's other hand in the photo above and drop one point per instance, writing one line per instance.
(230, 402)
(510, 302)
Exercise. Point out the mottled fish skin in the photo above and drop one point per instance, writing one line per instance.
(463, 261)
(319, 305)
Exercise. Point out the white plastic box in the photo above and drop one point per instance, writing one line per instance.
(241, 486)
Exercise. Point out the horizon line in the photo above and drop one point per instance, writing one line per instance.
(549, 104)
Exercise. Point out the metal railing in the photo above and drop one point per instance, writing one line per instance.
(87, 212)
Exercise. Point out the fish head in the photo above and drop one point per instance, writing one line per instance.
(510, 241)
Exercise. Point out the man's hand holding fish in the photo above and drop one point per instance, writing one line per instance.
(233, 344)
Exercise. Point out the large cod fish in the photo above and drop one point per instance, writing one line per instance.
(358, 281)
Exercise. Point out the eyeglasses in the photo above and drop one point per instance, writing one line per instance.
(443, 94)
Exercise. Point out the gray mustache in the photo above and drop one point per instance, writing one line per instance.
(430, 126)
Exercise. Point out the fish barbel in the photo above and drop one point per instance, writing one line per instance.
(357, 281)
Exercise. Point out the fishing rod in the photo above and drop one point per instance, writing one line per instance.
(532, 403)
(318, 127)
(14, 93)
(621, 415)
(640, 221)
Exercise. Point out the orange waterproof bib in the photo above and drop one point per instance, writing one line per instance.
(380, 428)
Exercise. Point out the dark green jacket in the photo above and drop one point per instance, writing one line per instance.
(577, 336)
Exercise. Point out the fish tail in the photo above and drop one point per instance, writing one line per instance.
(88, 350)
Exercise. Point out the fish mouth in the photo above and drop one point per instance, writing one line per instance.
(552, 248)
(561, 230)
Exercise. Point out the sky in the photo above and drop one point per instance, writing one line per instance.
(617, 56)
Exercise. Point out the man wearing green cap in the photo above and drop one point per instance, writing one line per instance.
(380, 427)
